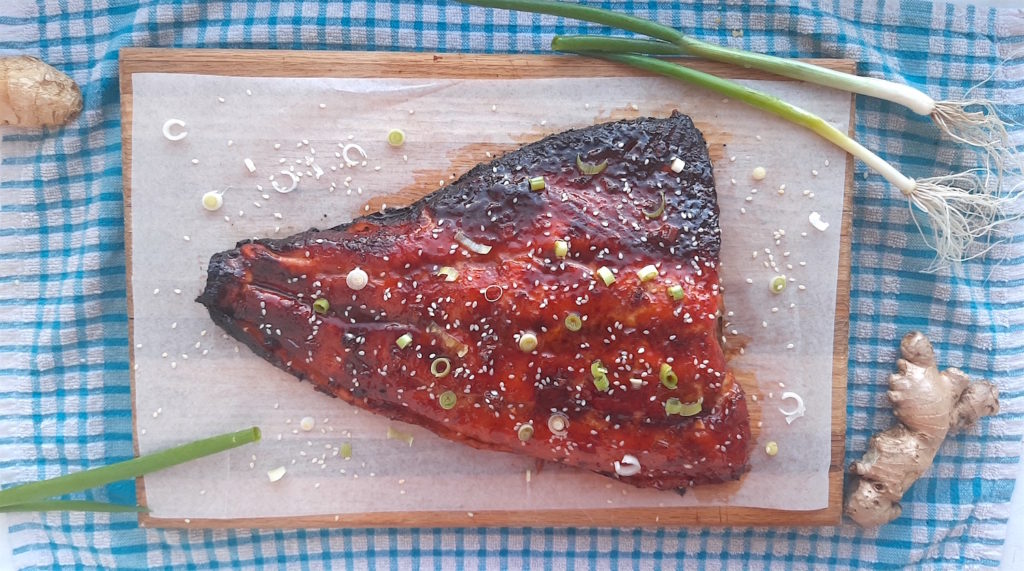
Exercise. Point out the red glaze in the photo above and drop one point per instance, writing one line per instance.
(262, 292)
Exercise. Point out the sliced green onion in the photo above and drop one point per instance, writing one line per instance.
(675, 406)
(345, 450)
(647, 273)
(573, 322)
(447, 400)
(606, 275)
(692, 408)
(778, 284)
(597, 369)
(537, 183)
(275, 474)
(71, 506)
(525, 432)
(676, 291)
(396, 137)
(527, 342)
(561, 249)
(394, 434)
(601, 383)
(450, 341)
(321, 306)
(450, 274)
(558, 424)
(590, 169)
(95, 477)
(440, 367)
(668, 376)
(657, 212)
(213, 200)
(772, 448)
(403, 341)
(470, 244)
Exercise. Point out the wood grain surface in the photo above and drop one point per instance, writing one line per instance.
(267, 63)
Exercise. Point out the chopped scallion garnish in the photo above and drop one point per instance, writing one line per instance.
(321, 306)
(657, 212)
(403, 341)
(778, 284)
(675, 406)
(345, 451)
(691, 408)
(394, 434)
(606, 275)
(396, 137)
(527, 342)
(600, 374)
(450, 274)
(440, 367)
(590, 168)
(668, 376)
(275, 474)
(470, 244)
(525, 432)
(447, 400)
(573, 322)
(558, 423)
(676, 291)
(450, 341)
(561, 249)
(647, 273)
(537, 183)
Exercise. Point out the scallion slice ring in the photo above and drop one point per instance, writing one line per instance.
(440, 367)
(493, 292)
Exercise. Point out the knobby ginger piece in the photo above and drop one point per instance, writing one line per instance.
(929, 404)
(34, 94)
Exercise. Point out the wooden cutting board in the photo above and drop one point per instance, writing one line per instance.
(458, 66)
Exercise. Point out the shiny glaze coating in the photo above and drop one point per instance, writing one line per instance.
(263, 292)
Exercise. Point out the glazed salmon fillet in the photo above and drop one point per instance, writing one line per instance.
(561, 301)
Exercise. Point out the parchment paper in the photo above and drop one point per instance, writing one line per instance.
(191, 381)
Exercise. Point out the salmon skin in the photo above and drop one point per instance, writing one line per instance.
(577, 323)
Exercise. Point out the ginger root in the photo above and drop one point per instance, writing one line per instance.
(34, 94)
(929, 405)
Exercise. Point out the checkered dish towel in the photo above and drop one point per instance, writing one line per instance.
(64, 397)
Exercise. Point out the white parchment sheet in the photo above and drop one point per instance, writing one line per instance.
(192, 382)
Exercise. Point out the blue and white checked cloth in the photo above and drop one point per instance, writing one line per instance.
(64, 398)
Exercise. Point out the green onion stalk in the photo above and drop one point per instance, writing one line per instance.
(971, 121)
(961, 208)
(33, 496)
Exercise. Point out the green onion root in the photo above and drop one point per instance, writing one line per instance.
(36, 491)
(961, 208)
(982, 129)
